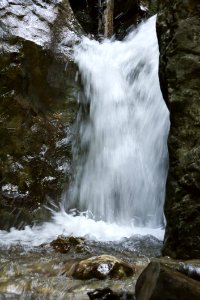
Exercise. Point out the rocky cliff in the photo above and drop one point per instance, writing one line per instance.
(37, 104)
(178, 28)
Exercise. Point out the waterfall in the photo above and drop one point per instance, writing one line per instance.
(123, 139)
(120, 153)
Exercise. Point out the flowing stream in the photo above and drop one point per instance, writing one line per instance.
(121, 155)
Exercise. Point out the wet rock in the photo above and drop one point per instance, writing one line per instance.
(70, 244)
(127, 14)
(191, 269)
(160, 282)
(86, 12)
(104, 294)
(150, 6)
(100, 267)
(140, 246)
(178, 29)
(108, 294)
(37, 104)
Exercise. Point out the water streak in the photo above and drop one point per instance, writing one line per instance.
(123, 174)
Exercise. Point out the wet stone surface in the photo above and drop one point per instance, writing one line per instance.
(38, 105)
(178, 30)
(100, 267)
(108, 294)
(70, 244)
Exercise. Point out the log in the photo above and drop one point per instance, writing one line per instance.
(158, 282)
(109, 11)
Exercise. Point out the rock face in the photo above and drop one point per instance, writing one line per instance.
(126, 14)
(151, 5)
(37, 104)
(178, 28)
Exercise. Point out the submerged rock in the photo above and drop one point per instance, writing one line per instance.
(160, 282)
(108, 294)
(104, 294)
(37, 105)
(178, 28)
(100, 267)
(191, 269)
(68, 244)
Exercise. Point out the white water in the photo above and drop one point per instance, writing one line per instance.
(124, 174)
(121, 179)
(65, 224)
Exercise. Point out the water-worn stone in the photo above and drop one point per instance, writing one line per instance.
(160, 282)
(108, 294)
(191, 269)
(104, 294)
(100, 267)
(151, 5)
(37, 104)
(178, 28)
(70, 244)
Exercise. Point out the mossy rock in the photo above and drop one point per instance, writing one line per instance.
(70, 244)
(100, 267)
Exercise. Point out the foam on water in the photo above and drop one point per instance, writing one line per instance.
(80, 226)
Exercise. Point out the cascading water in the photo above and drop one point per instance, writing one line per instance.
(123, 176)
(121, 173)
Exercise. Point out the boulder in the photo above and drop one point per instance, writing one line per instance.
(100, 267)
(191, 269)
(70, 244)
(108, 294)
(178, 29)
(160, 282)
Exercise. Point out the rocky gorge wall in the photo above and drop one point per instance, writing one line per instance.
(37, 105)
(178, 29)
